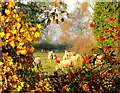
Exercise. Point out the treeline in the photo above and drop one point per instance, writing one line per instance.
(46, 46)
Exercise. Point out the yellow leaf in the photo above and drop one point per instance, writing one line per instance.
(15, 16)
(15, 77)
(13, 37)
(18, 88)
(6, 3)
(28, 85)
(8, 69)
(39, 26)
(11, 4)
(21, 43)
(20, 67)
(22, 30)
(32, 29)
(22, 52)
(3, 18)
(7, 35)
(7, 11)
(14, 86)
(1, 83)
(12, 44)
(22, 83)
(18, 19)
(14, 31)
(15, 10)
(2, 34)
(1, 63)
(18, 25)
(32, 33)
(7, 20)
(37, 34)
(18, 38)
(10, 63)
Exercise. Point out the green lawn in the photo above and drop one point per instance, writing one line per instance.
(46, 64)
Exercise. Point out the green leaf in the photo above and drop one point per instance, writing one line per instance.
(23, 18)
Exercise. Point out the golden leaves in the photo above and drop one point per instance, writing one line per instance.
(21, 52)
(15, 15)
(37, 34)
(11, 4)
(18, 19)
(15, 11)
(14, 31)
(12, 44)
(18, 25)
(17, 35)
(1, 63)
(31, 49)
(3, 18)
(32, 29)
(15, 77)
(7, 20)
(7, 35)
(6, 69)
(2, 34)
(39, 26)
(7, 11)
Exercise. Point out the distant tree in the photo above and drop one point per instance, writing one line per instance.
(81, 45)
(77, 25)
(76, 30)
(82, 17)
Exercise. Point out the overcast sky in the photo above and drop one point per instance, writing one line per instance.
(71, 4)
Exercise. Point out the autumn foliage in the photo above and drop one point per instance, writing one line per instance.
(17, 37)
(18, 34)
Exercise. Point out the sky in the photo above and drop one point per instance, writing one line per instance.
(71, 4)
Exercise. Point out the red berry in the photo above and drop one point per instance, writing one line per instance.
(114, 38)
(101, 38)
(104, 75)
(117, 34)
(69, 76)
(112, 71)
(110, 31)
(111, 19)
(116, 28)
(103, 29)
(91, 25)
(64, 87)
(92, 49)
(107, 47)
(75, 71)
(102, 58)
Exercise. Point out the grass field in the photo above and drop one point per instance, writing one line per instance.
(49, 67)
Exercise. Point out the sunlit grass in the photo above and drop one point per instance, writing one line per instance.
(49, 66)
